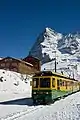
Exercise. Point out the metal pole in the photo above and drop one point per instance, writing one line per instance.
(55, 61)
(73, 73)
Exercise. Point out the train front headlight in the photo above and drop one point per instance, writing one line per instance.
(34, 92)
(47, 93)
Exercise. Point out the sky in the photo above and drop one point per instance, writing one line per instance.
(21, 21)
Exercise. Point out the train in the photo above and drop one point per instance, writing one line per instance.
(48, 86)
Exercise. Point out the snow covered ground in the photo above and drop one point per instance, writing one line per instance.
(16, 102)
(13, 85)
(22, 109)
(64, 109)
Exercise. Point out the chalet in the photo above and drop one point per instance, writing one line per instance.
(34, 61)
(17, 65)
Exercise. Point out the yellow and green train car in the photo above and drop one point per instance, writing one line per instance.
(48, 86)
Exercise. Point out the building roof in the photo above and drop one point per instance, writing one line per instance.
(32, 57)
(17, 60)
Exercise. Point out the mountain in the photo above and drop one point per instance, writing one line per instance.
(69, 43)
(64, 47)
(45, 45)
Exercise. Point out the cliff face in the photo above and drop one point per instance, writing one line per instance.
(50, 41)
(45, 45)
(50, 44)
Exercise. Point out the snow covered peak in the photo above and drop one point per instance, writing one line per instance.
(49, 32)
(70, 44)
(50, 40)
(51, 44)
(47, 29)
(45, 45)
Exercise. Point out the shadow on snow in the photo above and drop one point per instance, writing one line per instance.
(22, 101)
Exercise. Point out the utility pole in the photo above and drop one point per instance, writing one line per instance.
(54, 51)
(55, 61)
(73, 72)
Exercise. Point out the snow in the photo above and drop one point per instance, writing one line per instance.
(50, 42)
(15, 92)
(14, 84)
(64, 65)
(64, 109)
(65, 48)
(16, 103)
(1, 58)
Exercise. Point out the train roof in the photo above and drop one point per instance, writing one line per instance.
(51, 73)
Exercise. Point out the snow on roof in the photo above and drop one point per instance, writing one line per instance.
(1, 58)
(18, 60)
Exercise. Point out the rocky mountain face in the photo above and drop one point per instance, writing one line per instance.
(64, 47)
(69, 44)
(50, 42)
(45, 45)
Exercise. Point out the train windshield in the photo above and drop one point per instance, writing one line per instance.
(35, 82)
(45, 82)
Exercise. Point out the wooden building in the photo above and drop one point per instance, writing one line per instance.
(34, 61)
(17, 65)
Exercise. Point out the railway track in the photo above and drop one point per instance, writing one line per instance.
(14, 116)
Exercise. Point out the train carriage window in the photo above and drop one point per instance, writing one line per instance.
(76, 84)
(63, 84)
(45, 82)
(66, 84)
(69, 83)
(35, 82)
(60, 82)
(53, 82)
(72, 83)
(57, 82)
